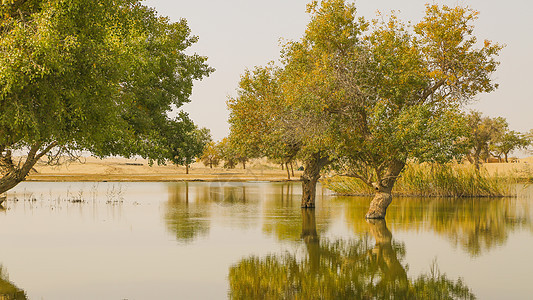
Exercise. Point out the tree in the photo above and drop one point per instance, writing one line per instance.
(369, 98)
(484, 132)
(259, 117)
(185, 141)
(211, 155)
(89, 75)
(231, 154)
(510, 141)
(407, 84)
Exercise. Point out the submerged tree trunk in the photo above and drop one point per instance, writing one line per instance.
(14, 174)
(383, 196)
(310, 177)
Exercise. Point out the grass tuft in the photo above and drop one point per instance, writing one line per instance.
(436, 180)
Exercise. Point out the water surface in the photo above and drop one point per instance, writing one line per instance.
(239, 240)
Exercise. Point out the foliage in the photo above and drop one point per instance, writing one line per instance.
(99, 76)
(368, 96)
(211, 155)
(491, 137)
(185, 141)
(510, 141)
(483, 135)
(231, 153)
(435, 180)
(408, 87)
(259, 116)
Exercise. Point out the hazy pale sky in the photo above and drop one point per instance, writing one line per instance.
(240, 34)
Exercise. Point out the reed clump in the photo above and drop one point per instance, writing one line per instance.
(436, 180)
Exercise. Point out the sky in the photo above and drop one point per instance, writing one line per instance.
(237, 35)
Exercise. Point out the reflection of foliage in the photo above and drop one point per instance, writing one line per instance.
(186, 219)
(188, 210)
(476, 225)
(8, 290)
(353, 269)
(282, 217)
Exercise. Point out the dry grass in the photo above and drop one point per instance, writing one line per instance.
(451, 180)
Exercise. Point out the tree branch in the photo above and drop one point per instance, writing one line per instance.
(429, 91)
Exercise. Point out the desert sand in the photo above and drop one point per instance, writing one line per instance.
(121, 169)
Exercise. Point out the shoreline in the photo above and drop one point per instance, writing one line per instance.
(139, 170)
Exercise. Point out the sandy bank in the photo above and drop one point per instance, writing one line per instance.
(120, 169)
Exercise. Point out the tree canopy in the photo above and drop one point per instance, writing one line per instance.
(100, 76)
(369, 96)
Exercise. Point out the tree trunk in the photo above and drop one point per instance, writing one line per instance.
(288, 171)
(383, 196)
(282, 168)
(506, 158)
(310, 177)
(10, 180)
(12, 174)
(244, 164)
(292, 170)
(186, 169)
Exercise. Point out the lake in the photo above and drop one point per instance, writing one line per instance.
(199, 240)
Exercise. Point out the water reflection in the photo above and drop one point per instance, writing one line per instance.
(475, 225)
(192, 208)
(187, 217)
(8, 291)
(281, 218)
(60, 248)
(339, 269)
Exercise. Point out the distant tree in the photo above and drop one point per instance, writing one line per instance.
(232, 153)
(185, 141)
(484, 132)
(259, 117)
(227, 153)
(511, 140)
(211, 155)
(99, 76)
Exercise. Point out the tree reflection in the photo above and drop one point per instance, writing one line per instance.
(282, 216)
(8, 291)
(339, 269)
(187, 218)
(476, 225)
(189, 210)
